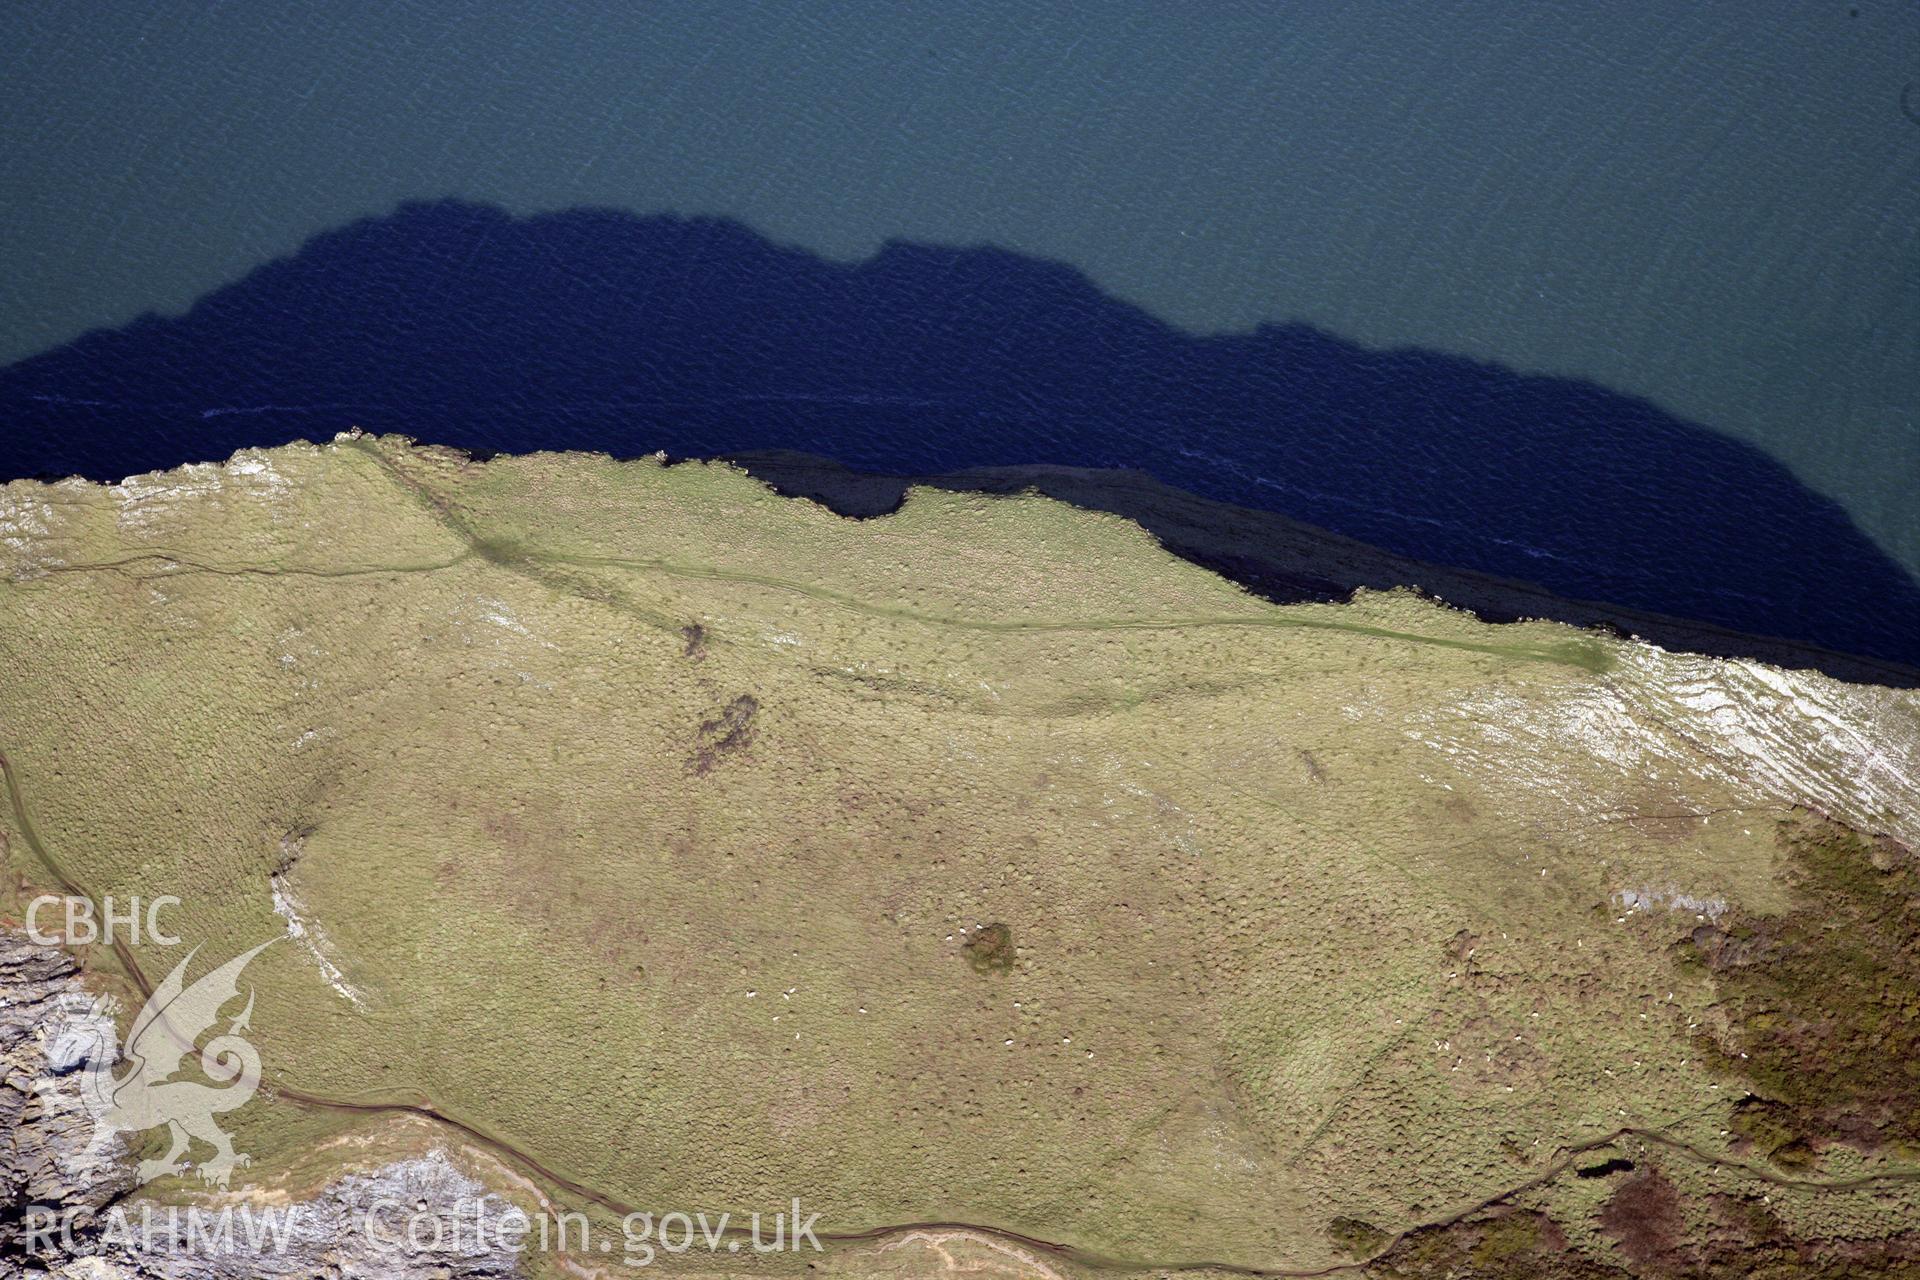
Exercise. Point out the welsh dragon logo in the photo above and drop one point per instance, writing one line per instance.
(136, 1090)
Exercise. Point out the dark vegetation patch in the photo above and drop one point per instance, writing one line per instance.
(695, 637)
(1823, 1000)
(727, 733)
(1360, 1239)
(1606, 1168)
(991, 949)
(1504, 1244)
(1743, 1223)
(502, 551)
(1514, 1241)
(1774, 1128)
(1724, 1237)
(1645, 1220)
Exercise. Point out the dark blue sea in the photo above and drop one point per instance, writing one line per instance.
(1625, 306)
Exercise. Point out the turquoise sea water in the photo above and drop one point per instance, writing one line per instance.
(1715, 206)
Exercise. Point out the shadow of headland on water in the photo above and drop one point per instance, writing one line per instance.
(595, 329)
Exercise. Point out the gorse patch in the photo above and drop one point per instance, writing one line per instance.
(991, 949)
(724, 734)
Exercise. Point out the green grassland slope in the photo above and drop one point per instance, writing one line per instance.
(690, 846)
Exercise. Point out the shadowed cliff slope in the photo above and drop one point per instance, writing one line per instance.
(602, 330)
(1289, 561)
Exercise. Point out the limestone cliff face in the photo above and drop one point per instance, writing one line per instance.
(47, 1167)
(46, 1160)
(325, 1236)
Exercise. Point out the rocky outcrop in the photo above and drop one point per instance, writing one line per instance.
(47, 1159)
(356, 1228)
